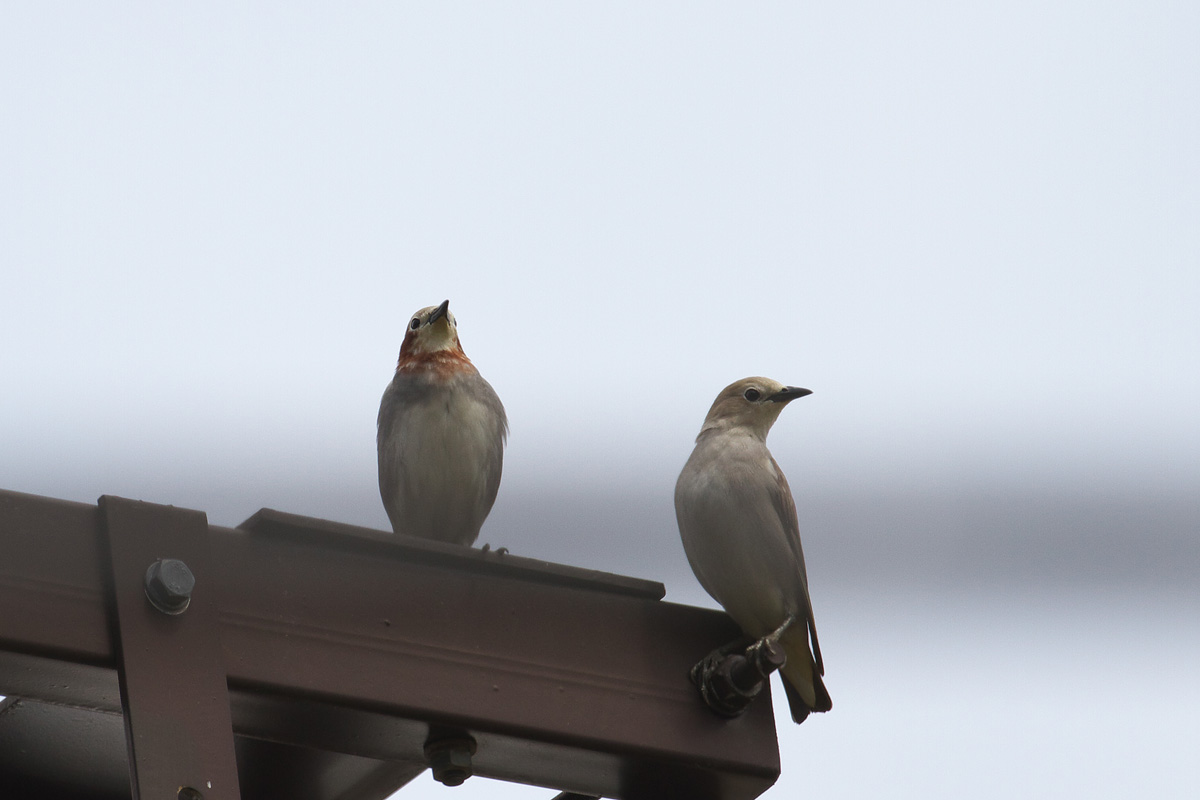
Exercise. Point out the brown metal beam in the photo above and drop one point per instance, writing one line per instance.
(352, 641)
(172, 673)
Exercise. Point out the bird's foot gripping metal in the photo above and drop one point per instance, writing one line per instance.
(731, 676)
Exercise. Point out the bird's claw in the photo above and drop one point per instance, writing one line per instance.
(731, 676)
(500, 551)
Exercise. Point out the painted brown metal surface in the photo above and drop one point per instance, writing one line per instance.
(172, 672)
(363, 645)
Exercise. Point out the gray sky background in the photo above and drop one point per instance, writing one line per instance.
(971, 229)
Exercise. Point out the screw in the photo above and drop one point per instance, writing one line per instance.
(450, 759)
(169, 585)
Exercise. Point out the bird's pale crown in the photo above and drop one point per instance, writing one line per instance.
(751, 404)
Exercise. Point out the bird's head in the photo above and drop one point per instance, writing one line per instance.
(431, 332)
(752, 404)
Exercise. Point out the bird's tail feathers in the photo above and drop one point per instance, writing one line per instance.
(800, 709)
(806, 691)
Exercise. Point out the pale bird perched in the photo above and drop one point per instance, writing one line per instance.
(441, 435)
(738, 523)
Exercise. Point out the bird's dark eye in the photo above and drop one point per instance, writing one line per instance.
(752, 395)
(416, 323)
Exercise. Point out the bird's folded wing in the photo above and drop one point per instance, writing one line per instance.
(785, 507)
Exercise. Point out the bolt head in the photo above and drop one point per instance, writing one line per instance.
(169, 585)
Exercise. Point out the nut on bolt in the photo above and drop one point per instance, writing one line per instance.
(169, 585)
(450, 759)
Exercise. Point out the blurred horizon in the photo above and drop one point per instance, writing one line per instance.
(973, 536)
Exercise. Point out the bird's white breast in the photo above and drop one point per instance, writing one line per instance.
(445, 445)
(732, 532)
(440, 458)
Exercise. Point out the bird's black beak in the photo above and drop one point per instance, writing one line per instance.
(439, 312)
(789, 393)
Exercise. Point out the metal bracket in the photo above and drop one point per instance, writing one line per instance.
(171, 667)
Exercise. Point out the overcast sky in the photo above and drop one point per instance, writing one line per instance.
(973, 230)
